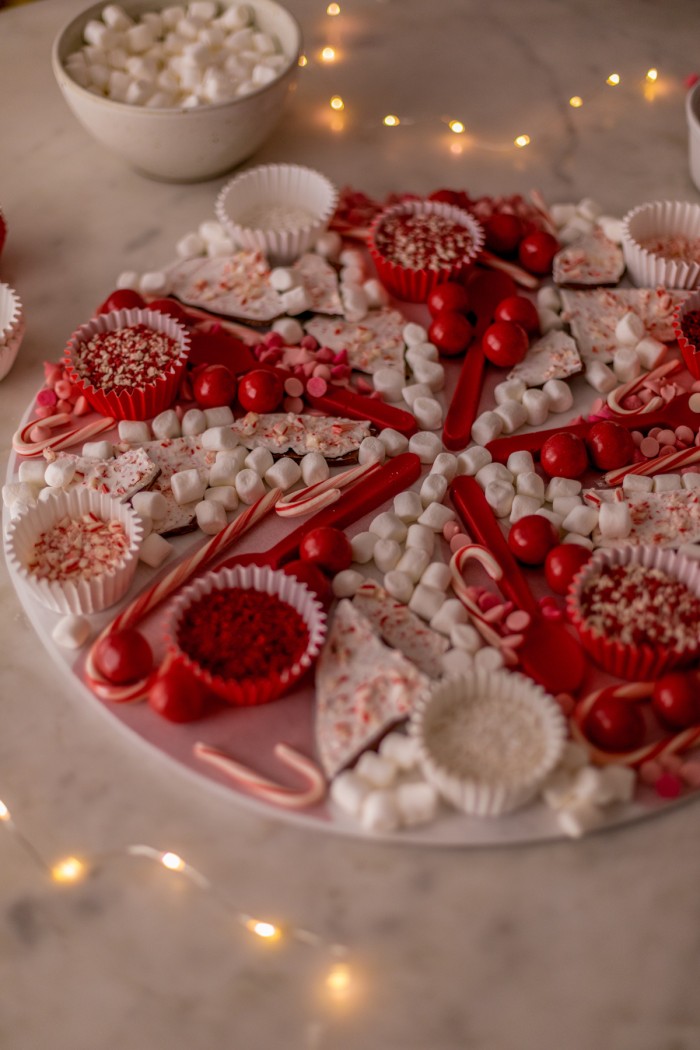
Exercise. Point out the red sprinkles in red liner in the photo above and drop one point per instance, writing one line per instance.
(423, 242)
(78, 547)
(125, 358)
(641, 606)
(690, 327)
(234, 633)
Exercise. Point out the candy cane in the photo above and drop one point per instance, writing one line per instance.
(486, 559)
(261, 787)
(634, 691)
(538, 202)
(322, 493)
(145, 602)
(621, 392)
(242, 332)
(520, 276)
(661, 465)
(23, 447)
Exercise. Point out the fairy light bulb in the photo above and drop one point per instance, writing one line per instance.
(457, 127)
(303, 61)
(391, 121)
(4, 811)
(652, 75)
(333, 10)
(339, 982)
(70, 869)
(266, 931)
(521, 141)
(172, 862)
(337, 103)
(328, 54)
(613, 80)
(575, 101)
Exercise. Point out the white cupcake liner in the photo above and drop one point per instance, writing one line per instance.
(248, 692)
(145, 401)
(659, 219)
(642, 662)
(12, 325)
(243, 202)
(470, 789)
(82, 596)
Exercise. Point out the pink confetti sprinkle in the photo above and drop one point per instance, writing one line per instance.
(322, 371)
(685, 434)
(649, 772)
(293, 386)
(450, 529)
(293, 404)
(46, 398)
(668, 786)
(632, 403)
(273, 340)
(645, 396)
(517, 621)
(666, 437)
(44, 411)
(340, 373)
(64, 406)
(325, 355)
(649, 447)
(309, 342)
(39, 433)
(317, 386)
(486, 599)
(63, 389)
(81, 406)
(341, 357)
(363, 386)
(52, 373)
(690, 772)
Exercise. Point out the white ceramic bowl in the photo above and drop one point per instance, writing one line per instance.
(692, 113)
(182, 145)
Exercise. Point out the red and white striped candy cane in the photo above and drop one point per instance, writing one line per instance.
(23, 447)
(322, 493)
(621, 392)
(260, 786)
(474, 551)
(661, 465)
(147, 601)
(633, 691)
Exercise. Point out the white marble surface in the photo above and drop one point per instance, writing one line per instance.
(568, 945)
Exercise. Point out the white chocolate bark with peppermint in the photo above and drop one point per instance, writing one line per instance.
(400, 628)
(593, 316)
(554, 356)
(592, 260)
(373, 343)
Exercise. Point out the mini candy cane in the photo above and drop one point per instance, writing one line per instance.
(242, 332)
(261, 787)
(615, 397)
(322, 493)
(633, 691)
(23, 447)
(142, 605)
(520, 276)
(538, 202)
(661, 465)
(488, 562)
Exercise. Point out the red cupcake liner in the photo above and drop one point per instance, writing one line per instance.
(690, 351)
(141, 402)
(251, 692)
(414, 286)
(633, 663)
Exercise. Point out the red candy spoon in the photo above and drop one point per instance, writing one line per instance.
(464, 405)
(549, 654)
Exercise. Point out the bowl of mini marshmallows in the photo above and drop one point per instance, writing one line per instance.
(185, 92)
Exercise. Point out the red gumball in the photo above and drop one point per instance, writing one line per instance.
(122, 299)
(177, 695)
(314, 578)
(328, 548)
(531, 539)
(610, 445)
(503, 233)
(676, 699)
(123, 656)
(214, 386)
(536, 252)
(615, 725)
(562, 563)
(486, 290)
(448, 296)
(564, 456)
(521, 311)
(505, 343)
(451, 333)
(171, 307)
(260, 391)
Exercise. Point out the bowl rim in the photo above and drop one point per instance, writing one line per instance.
(62, 75)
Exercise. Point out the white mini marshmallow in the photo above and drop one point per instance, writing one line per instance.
(428, 412)
(329, 244)
(509, 390)
(190, 246)
(414, 333)
(581, 520)
(401, 749)
(629, 329)
(393, 441)
(494, 472)
(433, 489)
(451, 612)
(226, 495)
(348, 792)
(426, 446)
(431, 373)
(513, 415)
(614, 521)
(417, 803)
(555, 519)
(437, 575)
(562, 213)
(426, 601)
(193, 422)
(166, 425)
(155, 282)
(60, 473)
(249, 485)
(548, 298)
(600, 377)
(523, 506)
(445, 463)
(289, 329)
(465, 636)
(578, 818)
(389, 526)
(347, 583)
(211, 516)
(409, 506)
(379, 812)
(355, 302)
(626, 364)
(612, 227)
(488, 659)
(617, 783)
(550, 321)
(295, 301)
(399, 585)
(562, 487)
(282, 278)
(376, 293)
(560, 396)
(71, 632)
(314, 468)
(187, 486)
(97, 450)
(457, 661)
(536, 405)
(386, 554)
(221, 416)
(529, 483)
(134, 432)
(260, 460)
(637, 483)
(116, 17)
(499, 497)
(219, 439)
(422, 351)
(227, 466)
(155, 550)
(371, 450)
(151, 504)
(563, 505)
(589, 209)
(420, 536)
(667, 482)
(472, 460)
(283, 473)
(389, 382)
(650, 352)
(413, 562)
(33, 471)
(690, 481)
(436, 515)
(487, 427)
(363, 545)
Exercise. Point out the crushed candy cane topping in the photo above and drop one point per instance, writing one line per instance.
(423, 242)
(82, 548)
(125, 358)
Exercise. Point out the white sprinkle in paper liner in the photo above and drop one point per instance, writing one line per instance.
(660, 219)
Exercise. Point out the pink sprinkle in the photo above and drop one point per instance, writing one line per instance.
(681, 445)
(666, 437)
(649, 447)
(271, 355)
(341, 358)
(685, 434)
(668, 392)
(52, 373)
(308, 369)
(450, 529)
(258, 350)
(308, 342)
(637, 436)
(645, 396)
(39, 433)
(495, 614)
(654, 432)
(668, 786)
(632, 402)
(597, 406)
(653, 384)
(293, 404)
(487, 600)
(341, 372)
(695, 388)
(43, 411)
(273, 340)
(690, 772)
(81, 406)
(649, 772)
(551, 612)
(671, 763)
(317, 386)
(363, 387)
(325, 355)
(63, 389)
(518, 621)
(665, 450)
(322, 371)
(46, 397)
(64, 406)
(293, 386)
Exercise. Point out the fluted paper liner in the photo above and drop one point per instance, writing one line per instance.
(12, 325)
(660, 219)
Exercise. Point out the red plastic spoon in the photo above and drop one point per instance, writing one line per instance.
(464, 405)
(550, 653)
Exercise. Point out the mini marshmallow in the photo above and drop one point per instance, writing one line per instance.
(529, 483)
(401, 749)
(127, 278)
(386, 554)
(522, 506)
(59, 474)
(513, 415)
(581, 520)
(355, 302)
(211, 516)
(451, 612)
(379, 812)
(314, 468)
(221, 416)
(95, 450)
(282, 279)
(226, 495)
(260, 460)
(446, 464)
(667, 482)
(420, 536)
(629, 329)
(376, 293)
(576, 537)
(494, 472)
(389, 383)
(190, 246)
(626, 364)
(550, 321)
(414, 333)
(166, 425)
(488, 659)
(283, 473)
(433, 489)
(560, 396)
(637, 483)
(589, 209)
(426, 446)
(219, 439)
(187, 486)
(472, 460)
(428, 412)
(536, 405)
(437, 575)
(499, 497)
(155, 550)
(389, 526)
(134, 432)
(650, 352)
(548, 298)
(612, 227)
(457, 661)
(329, 244)
(465, 636)
(600, 377)
(363, 545)
(194, 422)
(417, 803)
(32, 472)
(409, 506)
(422, 351)
(436, 515)
(295, 301)
(413, 562)
(347, 583)
(426, 601)
(690, 481)
(617, 783)
(413, 391)
(289, 329)
(71, 632)
(371, 450)
(429, 372)
(487, 427)
(352, 257)
(509, 390)
(155, 282)
(555, 519)
(614, 521)
(399, 585)
(348, 792)
(578, 818)
(562, 487)
(563, 505)
(562, 213)
(393, 441)
(151, 504)
(249, 485)
(227, 466)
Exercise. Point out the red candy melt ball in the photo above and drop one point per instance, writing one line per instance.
(177, 695)
(564, 456)
(532, 538)
(260, 391)
(521, 311)
(327, 547)
(123, 656)
(451, 333)
(676, 699)
(448, 296)
(562, 563)
(505, 343)
(214, 386)
(536, 252)
(615, 725)
(610, 445)
(503, 233)
(122, 299)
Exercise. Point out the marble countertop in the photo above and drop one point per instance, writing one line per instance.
(571, 944)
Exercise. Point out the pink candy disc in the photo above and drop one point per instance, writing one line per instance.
(518, 621)
(293, 386)
(317, 386)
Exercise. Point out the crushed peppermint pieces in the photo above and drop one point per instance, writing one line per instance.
(82, 547)
(423, 242)
(126, 358)
(673, 246)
